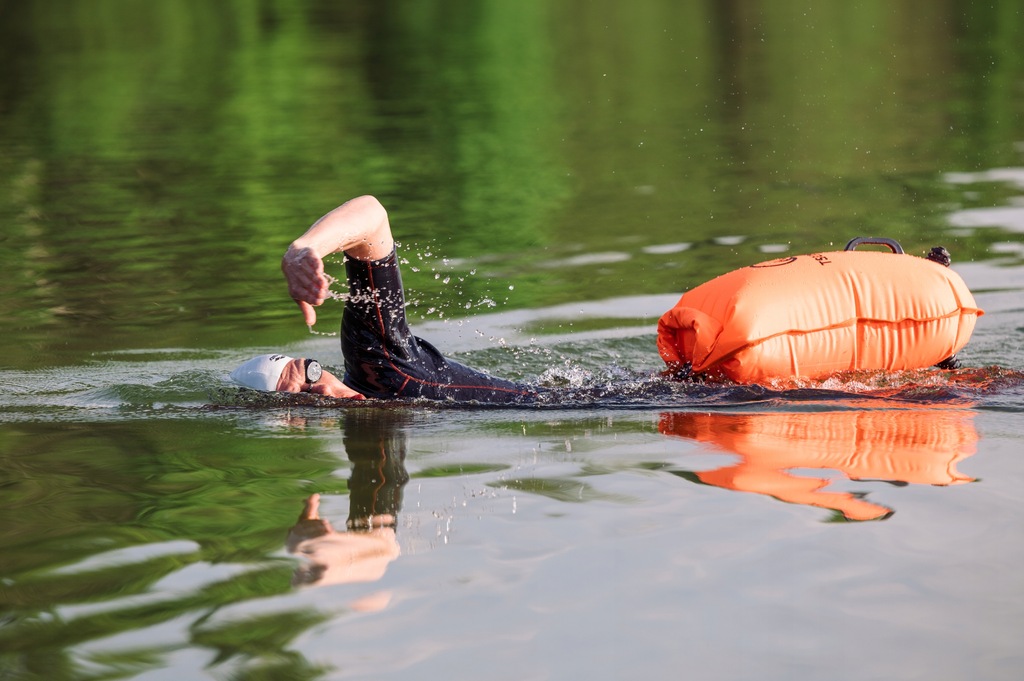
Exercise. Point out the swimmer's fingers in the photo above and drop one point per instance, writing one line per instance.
(310, 522)
(308, 313)
(335, 388)
(311, 509)
(344, 392)
(307, 285)
(304, 271)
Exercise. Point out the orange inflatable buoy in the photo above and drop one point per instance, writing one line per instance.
(813, 315)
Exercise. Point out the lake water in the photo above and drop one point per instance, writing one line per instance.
(557, 173)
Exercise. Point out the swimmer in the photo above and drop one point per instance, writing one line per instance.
(383, 359)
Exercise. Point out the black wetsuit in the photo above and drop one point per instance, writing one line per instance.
(384, 360)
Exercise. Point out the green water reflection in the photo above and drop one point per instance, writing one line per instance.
(119, 529)
(172, 536)
(158, 157)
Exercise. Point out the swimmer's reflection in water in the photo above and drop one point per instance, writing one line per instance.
(376, 445)
(895, 446)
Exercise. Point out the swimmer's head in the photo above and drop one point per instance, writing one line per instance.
(262, 372)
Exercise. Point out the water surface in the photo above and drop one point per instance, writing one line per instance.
(557, 174)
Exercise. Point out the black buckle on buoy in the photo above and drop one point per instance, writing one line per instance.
(940, 255)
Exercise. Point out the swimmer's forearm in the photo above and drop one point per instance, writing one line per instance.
(358, 227)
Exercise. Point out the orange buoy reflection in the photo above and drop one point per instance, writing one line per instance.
(900, 446)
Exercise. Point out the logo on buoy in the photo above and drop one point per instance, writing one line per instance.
(778, 262)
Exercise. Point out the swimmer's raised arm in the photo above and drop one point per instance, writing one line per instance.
(359, 228)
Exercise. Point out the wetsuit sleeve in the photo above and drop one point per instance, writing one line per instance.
(383, 359)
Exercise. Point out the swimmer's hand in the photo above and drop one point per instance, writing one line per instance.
(303, 269)
(331, 386)
(293, 380)
(359, 228)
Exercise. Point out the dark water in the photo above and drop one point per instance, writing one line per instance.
(557, 173)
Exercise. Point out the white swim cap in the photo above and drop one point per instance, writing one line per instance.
(261, 373)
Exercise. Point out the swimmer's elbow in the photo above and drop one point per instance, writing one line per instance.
(371, 205)
(376, 218)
